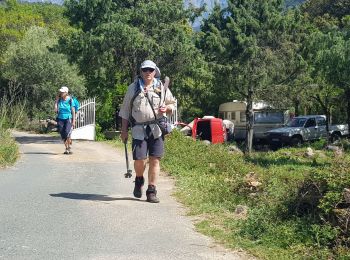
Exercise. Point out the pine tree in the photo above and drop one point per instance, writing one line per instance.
(246, 43)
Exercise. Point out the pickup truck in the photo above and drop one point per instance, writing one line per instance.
(305, 128)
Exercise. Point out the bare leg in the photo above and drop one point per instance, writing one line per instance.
(69, 142)
(139, 166)
(153, 170)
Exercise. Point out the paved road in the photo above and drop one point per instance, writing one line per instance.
(54, 206)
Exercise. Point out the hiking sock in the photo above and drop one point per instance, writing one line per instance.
(139, 182)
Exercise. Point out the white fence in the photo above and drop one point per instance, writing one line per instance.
(84, 127)
(173, 119)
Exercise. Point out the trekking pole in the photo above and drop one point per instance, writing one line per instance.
(128, 173)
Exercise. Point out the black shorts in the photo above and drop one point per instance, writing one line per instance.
(147, 147)
(64, 127)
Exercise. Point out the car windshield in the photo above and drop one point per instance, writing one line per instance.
(268, 117)
(297, 122)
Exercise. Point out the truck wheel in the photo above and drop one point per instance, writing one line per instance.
(274, 147)
(335, 137)
(296, 141)
(230, 137)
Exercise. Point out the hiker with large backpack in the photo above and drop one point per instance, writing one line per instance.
(65, 109)
(145, 104)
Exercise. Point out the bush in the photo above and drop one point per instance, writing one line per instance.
(8, 149)
(37, 72)
(99, 133)
(9, 117)
(345, 143)
(291, 198)
(319, 144)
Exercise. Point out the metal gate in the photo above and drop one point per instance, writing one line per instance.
(84, 128)
(173, 119)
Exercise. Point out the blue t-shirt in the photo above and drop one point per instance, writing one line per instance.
(64, 108)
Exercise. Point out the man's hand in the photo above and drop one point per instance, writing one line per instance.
(124, 136)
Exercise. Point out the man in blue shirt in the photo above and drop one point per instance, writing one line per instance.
(65, 110)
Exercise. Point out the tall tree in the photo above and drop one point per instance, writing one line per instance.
(334, 8)
(16, 18)
(332, 61)
(38, 72)
(246, 44)
(116, 36)
(328, 51)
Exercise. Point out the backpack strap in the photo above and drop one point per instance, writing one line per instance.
(149, 101)
(70, 102)
(137, 91)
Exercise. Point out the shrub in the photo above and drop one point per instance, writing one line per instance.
(291, 198)
(8, 148)
(99, 133)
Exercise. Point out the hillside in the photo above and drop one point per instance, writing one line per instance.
(209, 3)
(290, 3)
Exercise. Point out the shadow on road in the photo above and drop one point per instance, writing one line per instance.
(40, 153)
(97, 197)
(38, 139)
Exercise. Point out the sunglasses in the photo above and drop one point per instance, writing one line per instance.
(147, 70)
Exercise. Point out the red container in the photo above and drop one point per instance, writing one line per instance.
(211, 129)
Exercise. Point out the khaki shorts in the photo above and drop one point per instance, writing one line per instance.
(141, 149)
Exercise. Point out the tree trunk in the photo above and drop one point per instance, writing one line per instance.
(250, 121)
(327, 111)
(296, 107)
(328, 118)
(347, 93)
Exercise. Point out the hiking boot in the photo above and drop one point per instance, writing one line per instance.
(139, 181)
(152, 194)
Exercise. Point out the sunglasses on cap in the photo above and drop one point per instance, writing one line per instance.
(147, 69)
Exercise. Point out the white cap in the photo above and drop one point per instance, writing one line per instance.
(64, 89)
(152, 65)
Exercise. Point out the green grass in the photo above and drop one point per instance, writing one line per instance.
(290, 215)
(9, 117)
(8, 149)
